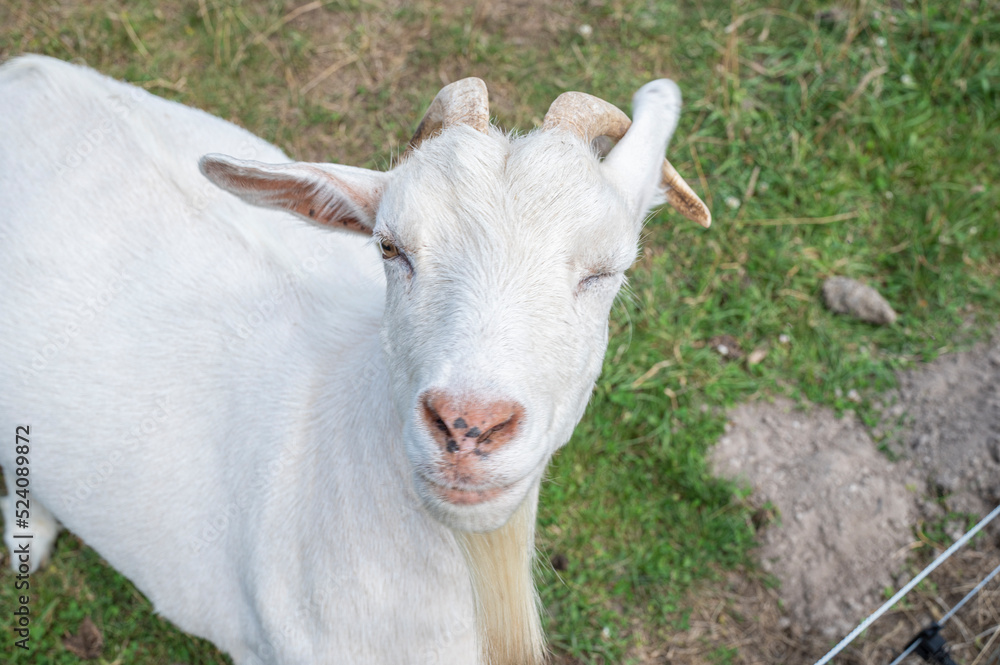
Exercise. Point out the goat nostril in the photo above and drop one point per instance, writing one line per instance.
(460, 425)
(485, 436)
(432, 417)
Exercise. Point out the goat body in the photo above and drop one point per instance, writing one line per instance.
(295, 448)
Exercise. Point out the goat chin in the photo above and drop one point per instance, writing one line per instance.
(508, 623)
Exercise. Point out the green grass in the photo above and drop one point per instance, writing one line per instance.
(859, 142)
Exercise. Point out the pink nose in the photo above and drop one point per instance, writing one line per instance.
(464, 424)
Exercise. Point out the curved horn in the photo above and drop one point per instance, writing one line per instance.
(590, 117)
(464, 102)
(682, 198)
(586, 116)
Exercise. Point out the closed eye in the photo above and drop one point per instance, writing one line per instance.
(596, 281)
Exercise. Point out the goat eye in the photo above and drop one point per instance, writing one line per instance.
(593, 280)
(389, 251)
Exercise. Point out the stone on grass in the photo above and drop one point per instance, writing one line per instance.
(847, 296)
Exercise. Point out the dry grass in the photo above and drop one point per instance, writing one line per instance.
(379, 58)
(739, 621)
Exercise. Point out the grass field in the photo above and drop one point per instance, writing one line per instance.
(858, 139)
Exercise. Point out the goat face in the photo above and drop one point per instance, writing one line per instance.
(502, 258)
(502, 261)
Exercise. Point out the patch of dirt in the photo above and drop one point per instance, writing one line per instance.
(951, 420)
(844, 510)
(850, 522)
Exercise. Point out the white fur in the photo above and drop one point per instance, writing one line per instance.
(223, 400)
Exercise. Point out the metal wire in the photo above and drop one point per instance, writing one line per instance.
(906, 589)
(950, 614)
(969, 595)
(910, 649)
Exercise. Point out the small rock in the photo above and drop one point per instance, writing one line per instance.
(847, 296)
(756, 357)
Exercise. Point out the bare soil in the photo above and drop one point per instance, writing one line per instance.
(842, 510)
(846, 526)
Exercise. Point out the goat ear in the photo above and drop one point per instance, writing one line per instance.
(330, 195)
(637, 162)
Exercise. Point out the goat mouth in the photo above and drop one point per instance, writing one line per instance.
(460, 497)
(463, 496)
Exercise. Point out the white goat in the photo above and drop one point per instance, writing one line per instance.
(293, 447)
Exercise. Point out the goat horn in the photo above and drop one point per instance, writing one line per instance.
(590, 117)
(464, 102)
(682, 197)
(586, 116)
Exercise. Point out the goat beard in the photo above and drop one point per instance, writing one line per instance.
(508, 622)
